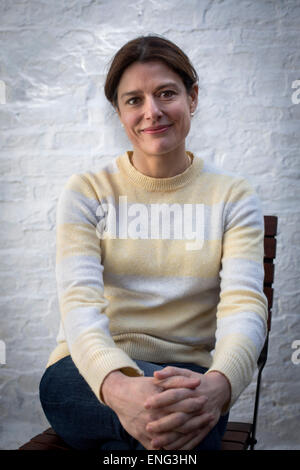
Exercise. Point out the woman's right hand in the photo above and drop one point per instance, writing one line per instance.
(127, 396)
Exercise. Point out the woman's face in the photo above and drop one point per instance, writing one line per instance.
(155, 108)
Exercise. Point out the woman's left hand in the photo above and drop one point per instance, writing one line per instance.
(214, 394)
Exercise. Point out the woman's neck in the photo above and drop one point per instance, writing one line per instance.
(160, 166)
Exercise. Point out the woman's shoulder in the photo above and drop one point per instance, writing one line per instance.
(210, 167)
(224, 174)
(89, 180)
(224, 181)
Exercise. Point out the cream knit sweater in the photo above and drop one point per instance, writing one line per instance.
(160, 269)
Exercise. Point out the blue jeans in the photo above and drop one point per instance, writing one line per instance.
(84, 423)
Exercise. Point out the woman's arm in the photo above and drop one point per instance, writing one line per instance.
(79, 275)
(242, 309)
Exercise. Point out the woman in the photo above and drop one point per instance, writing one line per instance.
(160, 276)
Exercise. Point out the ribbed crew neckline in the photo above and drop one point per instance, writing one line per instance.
(159, 184)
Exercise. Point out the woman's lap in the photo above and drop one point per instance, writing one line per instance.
(75, 413)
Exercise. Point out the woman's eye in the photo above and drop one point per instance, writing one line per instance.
(167, 94)
(133, 100)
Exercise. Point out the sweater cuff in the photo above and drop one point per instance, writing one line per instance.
(233, 378)
(102, 364)
(237, 363)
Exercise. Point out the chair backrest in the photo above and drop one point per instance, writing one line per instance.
(271, 222)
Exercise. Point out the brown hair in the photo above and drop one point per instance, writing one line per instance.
(144, 49)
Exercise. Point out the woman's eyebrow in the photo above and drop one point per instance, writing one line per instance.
(168, 84)
(164, 85)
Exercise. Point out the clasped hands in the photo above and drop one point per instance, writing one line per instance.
(173, 410)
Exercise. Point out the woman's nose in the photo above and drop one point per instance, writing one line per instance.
(152, 109)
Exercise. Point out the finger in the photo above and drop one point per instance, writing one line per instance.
(171, 370)
(178, 381)
(198, 438)
(192, 444)
(195, 423)
(189, 405)
(169, 397)
(168, 423)
(186, 441)
(179, 422)
(158, 442)
(177, 444)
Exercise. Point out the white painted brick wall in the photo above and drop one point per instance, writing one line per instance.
(55, 121)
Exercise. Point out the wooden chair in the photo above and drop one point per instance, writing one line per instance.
(238, 436)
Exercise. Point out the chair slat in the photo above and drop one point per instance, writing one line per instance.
(271, 222)
(236, 436)
(229, 445)
(269, 273)
(32, 445)
(237, 426)
(270, 248)
(48, 440)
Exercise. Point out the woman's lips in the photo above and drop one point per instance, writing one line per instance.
(156, 130)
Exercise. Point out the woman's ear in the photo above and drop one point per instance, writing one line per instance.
(194, 97)
(119, 114)
(116, 108)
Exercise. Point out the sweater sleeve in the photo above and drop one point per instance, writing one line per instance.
(79, 276)
(242, 309)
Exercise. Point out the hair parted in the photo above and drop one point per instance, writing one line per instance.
(145, 49)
